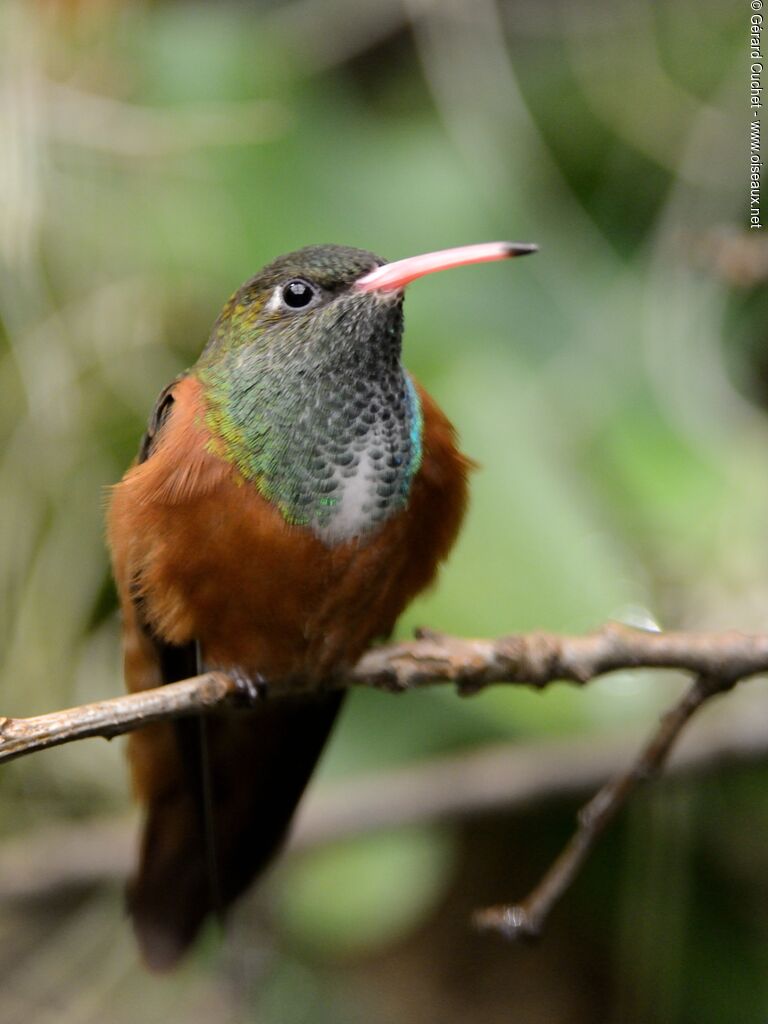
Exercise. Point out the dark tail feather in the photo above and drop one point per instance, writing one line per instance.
(259, 765)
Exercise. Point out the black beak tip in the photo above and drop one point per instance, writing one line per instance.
(521, 248)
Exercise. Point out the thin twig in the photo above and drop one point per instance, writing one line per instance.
(108, 718)
(538, 659)
(532, 659)
(525, 920)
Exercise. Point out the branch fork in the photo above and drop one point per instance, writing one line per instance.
(717, 661)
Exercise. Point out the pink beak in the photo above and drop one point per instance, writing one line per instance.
(393, 276)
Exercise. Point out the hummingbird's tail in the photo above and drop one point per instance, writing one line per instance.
(259, 763)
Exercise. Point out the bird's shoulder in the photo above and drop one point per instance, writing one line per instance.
(177, 462)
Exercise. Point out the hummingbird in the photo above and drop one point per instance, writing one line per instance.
(293, 491)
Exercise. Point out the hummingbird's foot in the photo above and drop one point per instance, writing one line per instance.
(425, 633)
(252, 689)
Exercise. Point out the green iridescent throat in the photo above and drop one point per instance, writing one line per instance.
(319, 414)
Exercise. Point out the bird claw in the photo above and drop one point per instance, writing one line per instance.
(251, 689)
(425, 633)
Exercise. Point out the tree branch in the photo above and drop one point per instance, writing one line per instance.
(533, 659)
(116, 715)
(717, 660)
(538, 659)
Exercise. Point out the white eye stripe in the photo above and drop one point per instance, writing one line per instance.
(275, 300)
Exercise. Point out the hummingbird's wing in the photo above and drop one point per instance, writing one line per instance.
(220, 791)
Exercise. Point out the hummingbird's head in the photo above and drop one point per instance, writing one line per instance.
(304, 389)
(332, 304)
(305, 307)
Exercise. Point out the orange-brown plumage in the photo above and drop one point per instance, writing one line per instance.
(219, 564)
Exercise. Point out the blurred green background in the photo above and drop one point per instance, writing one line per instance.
(154, 155)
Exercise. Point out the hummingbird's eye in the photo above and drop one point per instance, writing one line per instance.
(297, 293)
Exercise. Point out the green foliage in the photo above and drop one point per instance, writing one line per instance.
(361, 895)
(164, 152)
